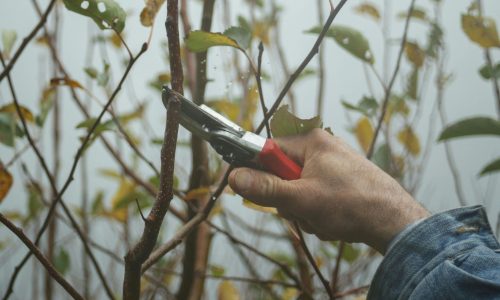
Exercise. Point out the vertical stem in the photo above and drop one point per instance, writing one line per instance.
(198, 241)
(321, 67)
(56, 143)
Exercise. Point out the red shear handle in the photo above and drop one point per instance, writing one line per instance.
(276, 162)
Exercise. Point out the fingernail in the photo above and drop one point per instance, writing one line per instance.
(243, 180)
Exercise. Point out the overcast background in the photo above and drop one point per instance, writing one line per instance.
(467, 95)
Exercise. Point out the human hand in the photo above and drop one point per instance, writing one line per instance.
(340, 196)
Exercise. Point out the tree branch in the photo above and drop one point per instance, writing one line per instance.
(26, 40)
(39, 255)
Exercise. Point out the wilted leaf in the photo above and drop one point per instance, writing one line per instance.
(149, 12)
(364, 133)
(493, 166)
(481, 30)
(414, 54)
(409, 140)
(261, 31)
(368, 9)
(62, 261)
(227, 291)
(488, 72)
(256, 207)
(5, 182)
(65, 81)
(412, 84)
(197, 193)
(8, 39)
(199, 41)
(417, 13)
(471, 127)
(106, 14)
(241, 35)
(116, 40)
(25, 112)
(284, 123)
(351, 40)
(46, 103)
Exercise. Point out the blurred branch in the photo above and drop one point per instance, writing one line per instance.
(350, 292)
(56, 199)
(389, 87)
(39, 255)
(27, 39)
(321, 66)
(314, 50)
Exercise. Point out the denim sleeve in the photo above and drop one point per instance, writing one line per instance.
(451, 255)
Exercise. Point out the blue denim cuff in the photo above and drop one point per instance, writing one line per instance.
(422, 247)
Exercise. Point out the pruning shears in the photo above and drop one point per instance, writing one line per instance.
(237, 146)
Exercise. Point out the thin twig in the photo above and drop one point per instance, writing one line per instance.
(388, 90)
(311, 260)
(336, 269)
(57, 199)
(27, 39)
(39, 255)
(353, 291)
(259, 86)
(302, 66)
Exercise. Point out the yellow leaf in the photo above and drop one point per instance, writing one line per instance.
(409, 139)
(364, 133)
(115, 40)
(256, 207)
(414, 54)
(25, 112)
(481, 30)
(289, 294)
(200, 41)
(13, 215)
(261, 32)
(149, 12)
(110, 173)
(227, 108)
(65, 81)
(227, 291)
(5, 182)
(368, 9)
(120, 211)
(197, 193)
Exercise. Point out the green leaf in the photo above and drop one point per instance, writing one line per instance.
(284, 123)
(89, 123)
(350, 39)
(412, 84)
(9, 37)
(350, 253)
(241, 35)
(200, 41)
(367, 106)
(91, 72)
(471, 127)
(46, 103)
(62, 261)
(434, 40)
(7, 129)
(382, 158)
(106, 14)
(35, 204)
(217, 270)
(97, 204)
(481, 30)
(488, 72)
(493, 166)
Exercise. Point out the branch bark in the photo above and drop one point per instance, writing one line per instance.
(39, 255)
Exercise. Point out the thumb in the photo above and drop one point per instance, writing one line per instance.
(260, 187)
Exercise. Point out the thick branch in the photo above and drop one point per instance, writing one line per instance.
(39, 255)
